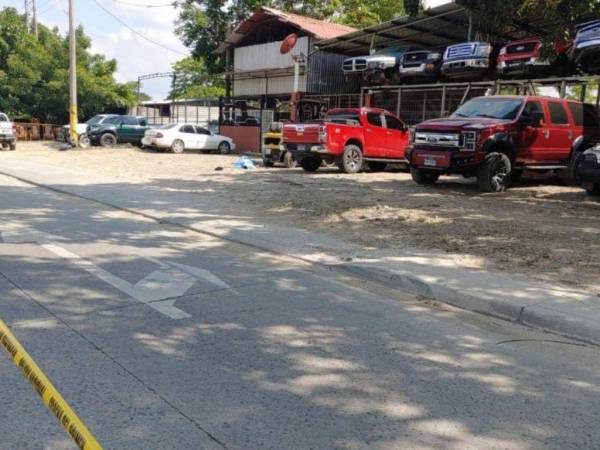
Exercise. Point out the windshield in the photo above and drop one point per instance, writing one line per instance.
(492, 108)
(95, 120)
(112, 119)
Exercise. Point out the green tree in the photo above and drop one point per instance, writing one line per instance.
(203, 24)
(34, 74)
(191, 80)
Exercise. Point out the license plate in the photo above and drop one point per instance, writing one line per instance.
(302, 147)
(432, 162)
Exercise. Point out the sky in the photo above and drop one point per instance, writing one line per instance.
(135, 56)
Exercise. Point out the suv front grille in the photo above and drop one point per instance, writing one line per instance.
(461, 50)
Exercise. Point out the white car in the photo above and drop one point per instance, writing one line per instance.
(8, 136)
(179, 137)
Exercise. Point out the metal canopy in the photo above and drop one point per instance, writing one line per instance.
(435, 28)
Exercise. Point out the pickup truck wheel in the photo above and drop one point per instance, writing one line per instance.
(108, 140)
(352, 159)
(268, 162)
(12, 146)
(84, 141)
(224, 148)
(377, 166)
(593, 190)
(177, 146)
(289, 160)
(310, 164)
(569, 175)
(494, 173)
(424, 176)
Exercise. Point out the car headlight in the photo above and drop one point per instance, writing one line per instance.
(484, 50)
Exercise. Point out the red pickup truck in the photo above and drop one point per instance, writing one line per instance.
(496, 138)
(348, 137)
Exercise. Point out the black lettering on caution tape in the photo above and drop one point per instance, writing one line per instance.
(39, 386)
(8, 344)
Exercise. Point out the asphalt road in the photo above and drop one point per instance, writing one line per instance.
(161, 338)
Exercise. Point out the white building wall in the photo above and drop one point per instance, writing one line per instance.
(266, 56)
(260, 86)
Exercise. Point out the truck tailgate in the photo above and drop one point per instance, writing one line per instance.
(301, 133)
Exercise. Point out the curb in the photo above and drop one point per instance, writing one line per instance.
(540, 316)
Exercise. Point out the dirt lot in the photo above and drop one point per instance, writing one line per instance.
(538, 227)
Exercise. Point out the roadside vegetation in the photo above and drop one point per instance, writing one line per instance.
(34, 74)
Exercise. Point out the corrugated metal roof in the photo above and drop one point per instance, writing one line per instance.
(319, 29)
(437, 27)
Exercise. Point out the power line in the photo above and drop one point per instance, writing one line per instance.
(166, 5)
(133, 30)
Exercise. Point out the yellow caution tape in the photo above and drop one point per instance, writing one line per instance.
(50, 396)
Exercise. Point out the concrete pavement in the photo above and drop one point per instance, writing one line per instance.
(273, 352)
(435, 275)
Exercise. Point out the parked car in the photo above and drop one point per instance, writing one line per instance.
(585, 51)
(8, 133)
(496, 138)
(469, 60)
(118, 129)
(588, 170)
(179, 137)
(348, 137)
(83, 128)
(379, 68)
(421, 65)
(523, 57)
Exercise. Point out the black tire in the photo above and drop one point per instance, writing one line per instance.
(177, 146)
(594, 190)
(108, 140)
(494, 173)
(569, 175)
(310, 164)
(352, 159)
(424, 177)
(224, 148)
(377, 166)
(289, 160)
(268, 162)
(12, 146)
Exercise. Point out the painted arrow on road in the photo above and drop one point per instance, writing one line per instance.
(159, 289)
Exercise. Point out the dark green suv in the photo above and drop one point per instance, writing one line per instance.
(119, 129)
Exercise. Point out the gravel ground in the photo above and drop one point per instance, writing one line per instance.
(538, 227)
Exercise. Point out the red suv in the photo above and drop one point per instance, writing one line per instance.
(496, 138)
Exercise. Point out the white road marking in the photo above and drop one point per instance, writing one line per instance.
(159, 290)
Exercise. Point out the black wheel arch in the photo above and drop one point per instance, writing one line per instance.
(501, 143)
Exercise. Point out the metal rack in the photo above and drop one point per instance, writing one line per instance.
(416, 103)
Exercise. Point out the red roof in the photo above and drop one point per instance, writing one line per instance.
(319, 29)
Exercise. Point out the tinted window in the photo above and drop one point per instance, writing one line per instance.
(393, 123)
(143, 122)
(558, 115)
(187, 129)
(96, 119)
(493, 108)
(374, 119)
(343, 117)
(201, 130)
(531, 108)
(577, 111)
(128, 120)
(590, 116)
(116, 119)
